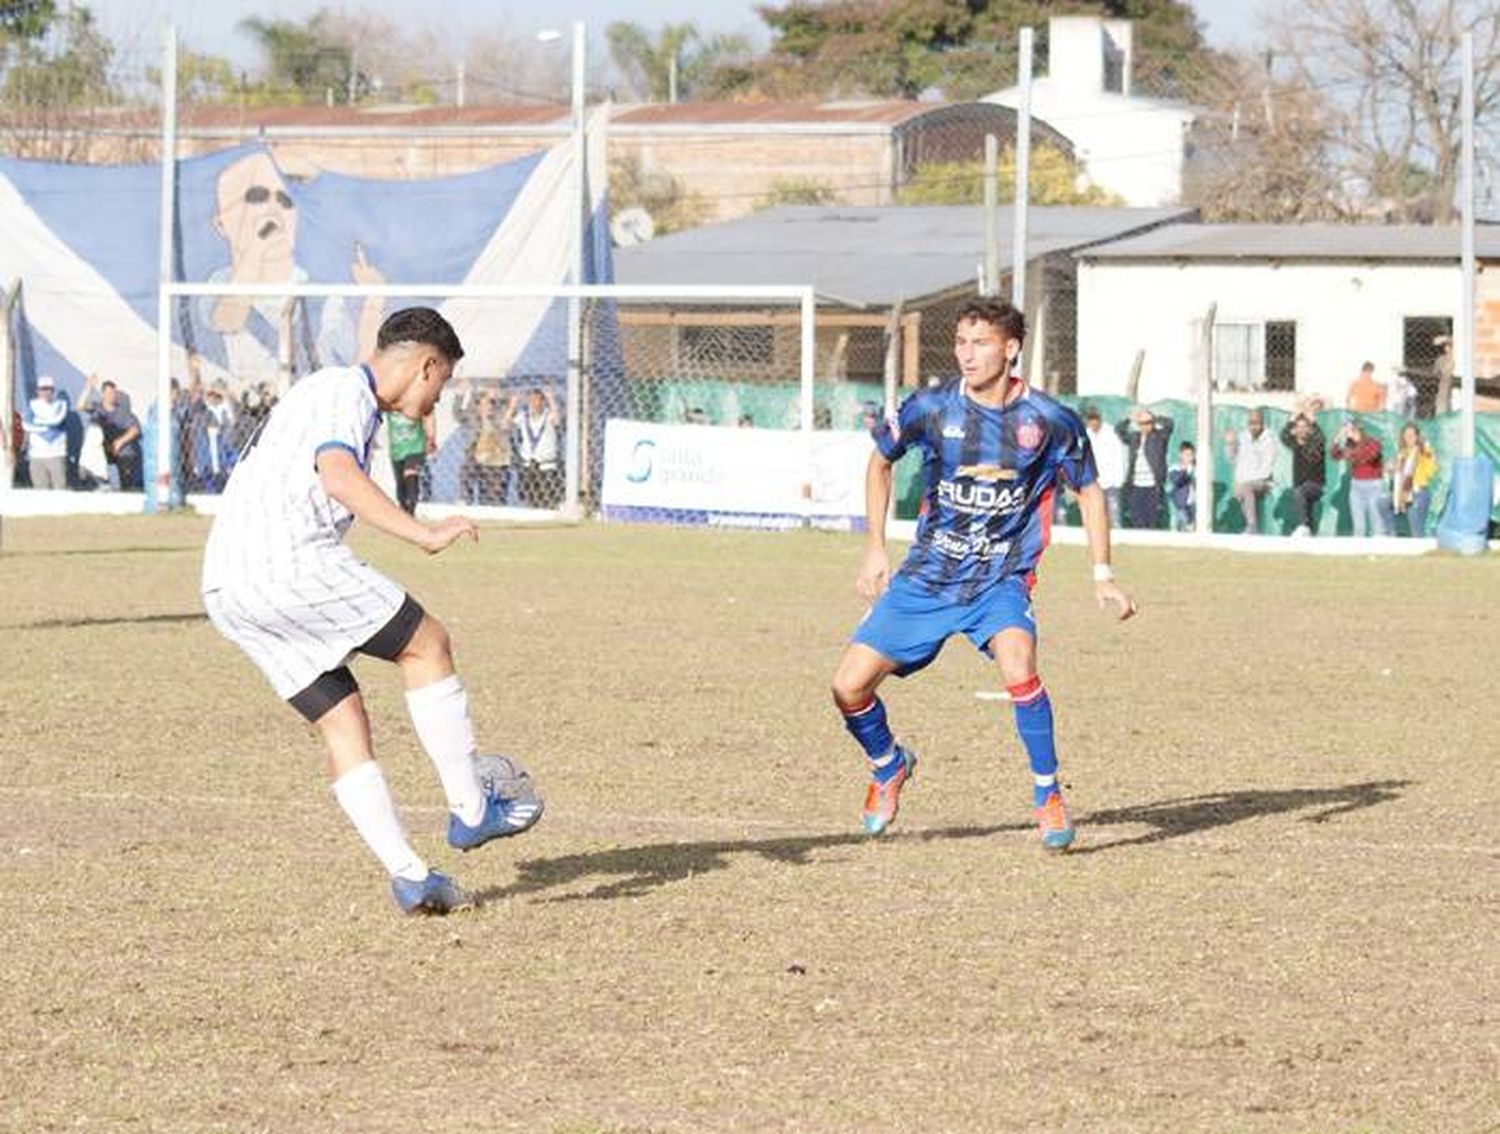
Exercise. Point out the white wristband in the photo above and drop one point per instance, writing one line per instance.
(1103, 572)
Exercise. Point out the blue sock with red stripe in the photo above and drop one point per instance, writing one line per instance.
(1034, 726)
(867, 724)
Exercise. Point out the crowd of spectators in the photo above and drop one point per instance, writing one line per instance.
(1387, 490)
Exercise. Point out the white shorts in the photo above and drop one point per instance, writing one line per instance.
(297, 630)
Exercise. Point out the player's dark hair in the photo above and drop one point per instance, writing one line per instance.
(998, 314)
(1187, 447)
(420, 325)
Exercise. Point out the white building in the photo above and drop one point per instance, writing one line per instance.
(1132, 147)
(1297, 308)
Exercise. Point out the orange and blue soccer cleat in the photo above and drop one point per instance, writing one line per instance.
(1053, 823)
(883, 799)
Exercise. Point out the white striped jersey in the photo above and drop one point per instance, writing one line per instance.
(274, 520)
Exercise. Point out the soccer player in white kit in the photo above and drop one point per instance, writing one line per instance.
(279, 583)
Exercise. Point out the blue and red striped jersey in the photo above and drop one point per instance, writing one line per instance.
(990, 478)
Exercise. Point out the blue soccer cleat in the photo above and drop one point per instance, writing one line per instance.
(435, 894)
(502, 818)
(882, 800)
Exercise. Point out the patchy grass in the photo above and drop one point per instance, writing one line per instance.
(1280, 917)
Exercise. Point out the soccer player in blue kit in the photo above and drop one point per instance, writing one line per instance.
(994, 450)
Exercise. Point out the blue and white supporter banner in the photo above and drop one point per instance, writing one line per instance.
(720, 475)
(84, 242)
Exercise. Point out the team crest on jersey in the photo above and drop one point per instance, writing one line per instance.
(1029, 435)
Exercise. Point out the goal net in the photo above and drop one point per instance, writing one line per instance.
(692, 404)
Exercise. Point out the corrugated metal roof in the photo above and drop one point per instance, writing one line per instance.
(866, 257)
(1298, 242)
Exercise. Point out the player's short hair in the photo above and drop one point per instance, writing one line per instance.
(1187, 447)
(998, 314)
(1368, 366)
(420, 325)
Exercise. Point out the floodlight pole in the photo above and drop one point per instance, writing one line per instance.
(1466, 203)
(573, 432)
(1023, 176)
(991, 221)
(166, 268)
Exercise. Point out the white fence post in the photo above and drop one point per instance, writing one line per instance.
(1203, 489)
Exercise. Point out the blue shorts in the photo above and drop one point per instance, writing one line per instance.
(909, 625)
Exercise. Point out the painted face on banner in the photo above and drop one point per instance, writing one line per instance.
(258, 218)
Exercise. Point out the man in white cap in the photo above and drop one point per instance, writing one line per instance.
(47, 436)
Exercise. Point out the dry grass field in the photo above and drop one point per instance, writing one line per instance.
(1282, 915)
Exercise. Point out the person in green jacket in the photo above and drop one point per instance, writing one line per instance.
(411, 441)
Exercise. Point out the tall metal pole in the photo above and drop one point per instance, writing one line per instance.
(573, 433)
(1203, 481)
(7, 386)
(807, 354)
(991, 220)
(1466, 203)
(1023, 176)
(166, 267)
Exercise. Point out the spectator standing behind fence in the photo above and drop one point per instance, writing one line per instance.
(1365, 394)
(410, 440)
(104, 405)
(1145, 437)
(210, 433)
(1253, 452)
(1411, 481)
(47, 436)
(486, 472)
(1309, 453)
(1182, 488)
(536, 436)
(1366, 478)
(1109, 462)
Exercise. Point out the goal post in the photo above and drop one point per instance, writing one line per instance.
(642, 363)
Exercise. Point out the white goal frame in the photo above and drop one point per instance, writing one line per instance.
(800, 294)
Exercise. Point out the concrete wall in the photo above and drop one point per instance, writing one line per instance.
(1345, 313)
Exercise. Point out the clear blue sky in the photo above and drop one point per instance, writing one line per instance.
(210, 25)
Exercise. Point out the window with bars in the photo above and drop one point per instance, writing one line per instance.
(1254, 355)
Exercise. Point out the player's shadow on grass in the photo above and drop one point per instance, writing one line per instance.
(1173, 818)
(124, 620)
(639, 870)
(70, 552)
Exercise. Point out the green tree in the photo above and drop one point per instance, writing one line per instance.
(202, 78)
(303, 62)
(25, 19)
(1053, 180)
(962, 48)
(646, 63)
(73, 72)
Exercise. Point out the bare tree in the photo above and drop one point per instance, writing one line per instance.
(1265, 150)
(1392, 70)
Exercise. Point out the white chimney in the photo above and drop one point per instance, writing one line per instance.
(1088, 55)
(1075, 54)
(1120, 35)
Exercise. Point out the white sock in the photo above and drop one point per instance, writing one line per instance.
(440, 714)
(363, 795)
